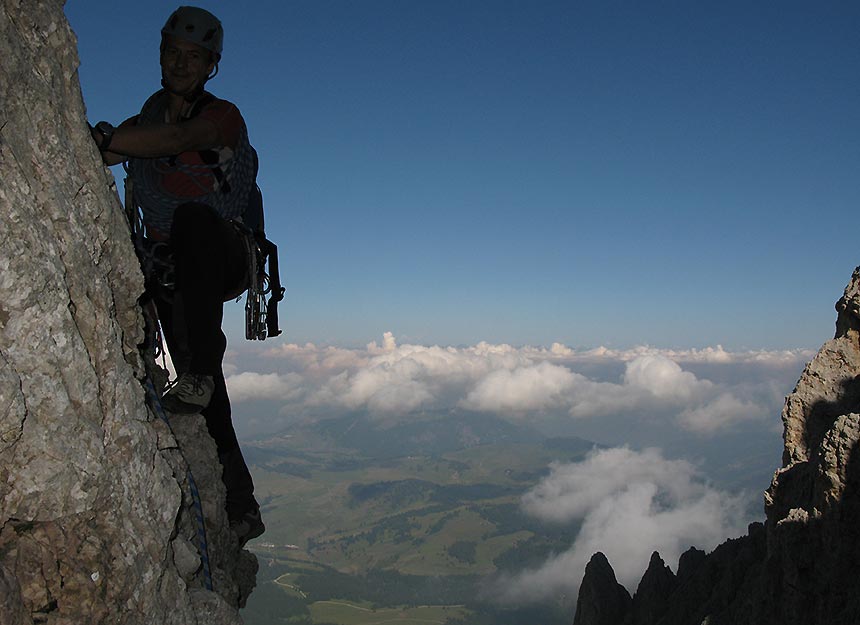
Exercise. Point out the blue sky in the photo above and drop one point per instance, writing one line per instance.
(603, 173)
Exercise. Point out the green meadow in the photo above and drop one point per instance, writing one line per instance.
(358, 536)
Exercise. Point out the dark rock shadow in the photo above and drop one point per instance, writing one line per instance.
(801, 567)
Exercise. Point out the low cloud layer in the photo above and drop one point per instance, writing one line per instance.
(630, 504)
(391, 380)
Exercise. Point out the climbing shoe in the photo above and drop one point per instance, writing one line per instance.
(248, 526)
(190, 394)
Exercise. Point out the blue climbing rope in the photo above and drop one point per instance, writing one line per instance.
(201, 531)
(156, 406)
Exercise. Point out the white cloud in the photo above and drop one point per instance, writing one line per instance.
(597, 399)
(724, 410)
(650, 383)
(316, 360)
(630, 504)
(403, 378)
(533, 387)
(572, 490)
(262, 386)
(388, 388)
(663, 378)
(519, 382)
(389, 344)
(710, 355)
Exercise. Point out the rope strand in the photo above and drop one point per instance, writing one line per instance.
(203, 546)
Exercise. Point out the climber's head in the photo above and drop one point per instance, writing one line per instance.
(191, 44)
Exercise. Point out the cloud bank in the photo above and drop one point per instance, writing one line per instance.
(630, 504)
(391, 380)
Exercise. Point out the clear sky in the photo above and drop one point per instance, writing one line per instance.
(678, 174)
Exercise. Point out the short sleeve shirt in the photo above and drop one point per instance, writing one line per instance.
(221, 177)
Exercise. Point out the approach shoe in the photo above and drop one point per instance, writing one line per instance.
(190, 394)
(248, 526)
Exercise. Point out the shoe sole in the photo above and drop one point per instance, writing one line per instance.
(177, 406)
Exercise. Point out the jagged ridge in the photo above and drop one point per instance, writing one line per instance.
(801, 565)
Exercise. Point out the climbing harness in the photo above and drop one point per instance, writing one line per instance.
(263, 290)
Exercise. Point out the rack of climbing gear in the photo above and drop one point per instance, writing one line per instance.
(264, 289)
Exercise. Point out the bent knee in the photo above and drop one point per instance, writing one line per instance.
(192, 218)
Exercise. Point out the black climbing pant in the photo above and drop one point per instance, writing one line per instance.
(210, 262)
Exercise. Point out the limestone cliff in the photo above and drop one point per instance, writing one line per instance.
(803, 564)
(96, 521)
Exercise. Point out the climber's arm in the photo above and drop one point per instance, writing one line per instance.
(109, 156)
(154, 140)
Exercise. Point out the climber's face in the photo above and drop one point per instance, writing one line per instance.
(185, 66)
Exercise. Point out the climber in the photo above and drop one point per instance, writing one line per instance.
(192, 169)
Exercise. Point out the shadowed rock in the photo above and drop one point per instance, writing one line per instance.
(602, 600)
(802, 566)
(689, 563)
(652, 596)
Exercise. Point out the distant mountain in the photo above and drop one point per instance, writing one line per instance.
(421, 434)
(425, 434)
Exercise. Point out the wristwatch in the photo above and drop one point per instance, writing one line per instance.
(106, 131)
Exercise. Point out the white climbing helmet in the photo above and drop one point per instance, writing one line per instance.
(197, 26)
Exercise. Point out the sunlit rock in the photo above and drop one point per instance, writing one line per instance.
(96, 522)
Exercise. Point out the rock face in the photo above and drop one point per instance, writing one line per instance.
(803, 564)
(96, 521)
(602, 600)
(652, 597)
